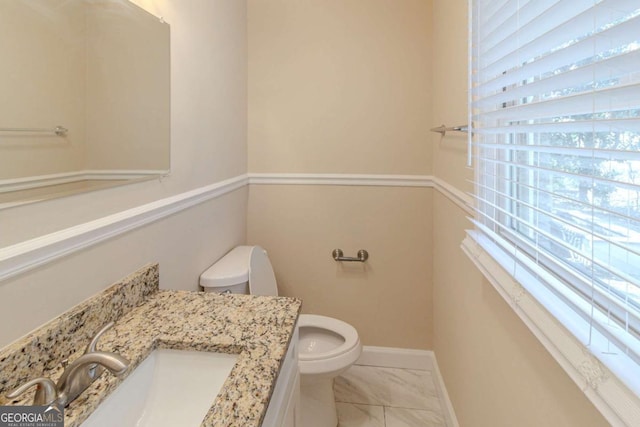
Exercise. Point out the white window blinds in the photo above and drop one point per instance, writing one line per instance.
(555, 112)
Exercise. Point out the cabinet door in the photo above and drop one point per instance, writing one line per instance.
(284, 406)
(292, 415)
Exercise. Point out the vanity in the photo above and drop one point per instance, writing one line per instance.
(260, 390)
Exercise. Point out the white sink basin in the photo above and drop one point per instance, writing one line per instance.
(169, 388)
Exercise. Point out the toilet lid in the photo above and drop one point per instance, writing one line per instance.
(262, 281)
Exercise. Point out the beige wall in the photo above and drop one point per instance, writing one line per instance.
(342, 86)
(339, 86)
(184, 244)
(385, 298)
(208, 125)
(450, 92)
(128, 95)
(496, 372)
(42, 86)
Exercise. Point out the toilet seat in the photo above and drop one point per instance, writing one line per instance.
(328, 363)
(332, 326)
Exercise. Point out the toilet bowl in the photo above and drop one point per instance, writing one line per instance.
(326, 348)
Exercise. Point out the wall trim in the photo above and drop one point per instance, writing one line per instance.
(22, 257)
(27, 255)
(26, 183)
(449, 413)
(340, 179)
(391, 357)
(405, 358)
(460, 198)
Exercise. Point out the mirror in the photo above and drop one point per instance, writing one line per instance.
(85, 97)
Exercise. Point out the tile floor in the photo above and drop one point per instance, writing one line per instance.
(370, 396)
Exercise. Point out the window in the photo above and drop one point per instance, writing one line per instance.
(555, 112)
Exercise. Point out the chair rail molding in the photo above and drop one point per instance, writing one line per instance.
(341, 179)
(24, 256)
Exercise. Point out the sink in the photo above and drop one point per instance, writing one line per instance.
(169, 388)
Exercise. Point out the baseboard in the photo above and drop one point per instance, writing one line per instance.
(405, 358)
(390, 357)
(449, 414)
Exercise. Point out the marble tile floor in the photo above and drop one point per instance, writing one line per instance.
(371, 396)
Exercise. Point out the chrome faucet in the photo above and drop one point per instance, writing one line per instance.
(77, 376)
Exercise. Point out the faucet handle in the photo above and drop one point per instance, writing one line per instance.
(92, 346)
(46, 392)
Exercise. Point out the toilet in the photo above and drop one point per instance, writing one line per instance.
(326, 347)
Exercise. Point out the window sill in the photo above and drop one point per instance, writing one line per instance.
(546, 316)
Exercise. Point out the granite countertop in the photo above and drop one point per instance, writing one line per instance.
(257, 328)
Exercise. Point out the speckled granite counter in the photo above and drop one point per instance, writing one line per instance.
(258, 329)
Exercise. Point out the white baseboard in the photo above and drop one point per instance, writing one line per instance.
(390, 357)
(449, 414)
(405, 358)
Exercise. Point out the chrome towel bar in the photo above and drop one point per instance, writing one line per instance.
(58, 130)
(338, 255)
(442, 130)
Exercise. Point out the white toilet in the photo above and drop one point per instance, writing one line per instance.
(327, 346)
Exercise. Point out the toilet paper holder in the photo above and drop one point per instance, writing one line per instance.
(338, 255)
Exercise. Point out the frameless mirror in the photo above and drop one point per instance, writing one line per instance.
(85, 97)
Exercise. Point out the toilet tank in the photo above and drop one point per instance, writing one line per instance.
(230, 273)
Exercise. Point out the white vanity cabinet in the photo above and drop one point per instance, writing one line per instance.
(284, 407)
